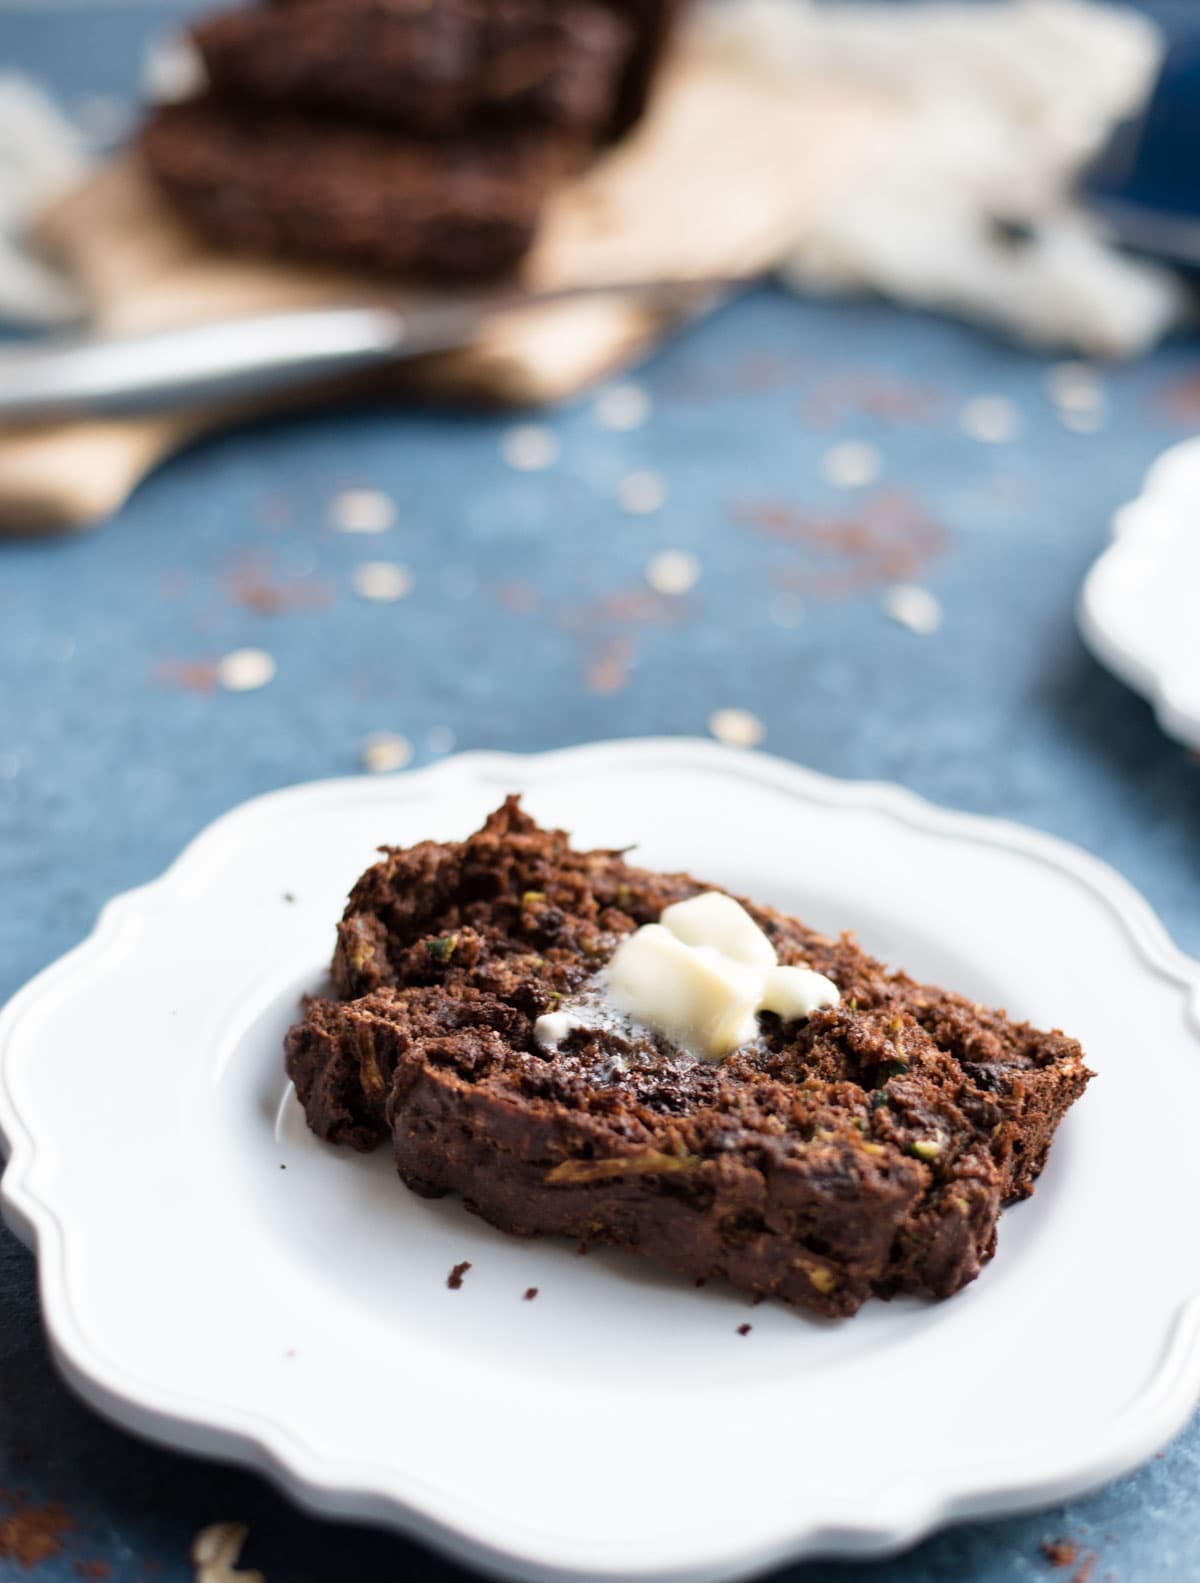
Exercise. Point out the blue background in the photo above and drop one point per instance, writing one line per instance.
(109, 761)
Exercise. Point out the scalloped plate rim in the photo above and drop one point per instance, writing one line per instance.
(1127, 537)
(266, 1445)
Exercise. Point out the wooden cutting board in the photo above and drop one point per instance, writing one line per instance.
(716, 180)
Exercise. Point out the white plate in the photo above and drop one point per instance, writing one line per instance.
(1139, 610)
(618, 1426)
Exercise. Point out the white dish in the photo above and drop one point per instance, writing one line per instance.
(1138, 605)
(299, 1319)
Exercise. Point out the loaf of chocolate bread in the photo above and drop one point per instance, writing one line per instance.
(434, 70)
(863, 1151)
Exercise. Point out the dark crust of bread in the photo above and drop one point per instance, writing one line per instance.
(434, 70)
(281, 185)
(655, 22)
(865, 1151)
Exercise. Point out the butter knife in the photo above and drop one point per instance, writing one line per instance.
(87, 375)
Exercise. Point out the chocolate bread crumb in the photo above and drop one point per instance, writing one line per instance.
(1060, 1552)
(455, 1279)
(744, 1330)
(530, 1293)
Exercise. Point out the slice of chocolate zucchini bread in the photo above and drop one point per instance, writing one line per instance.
(866, 1148)
(435, 70)
(651, 27)
(275, 183)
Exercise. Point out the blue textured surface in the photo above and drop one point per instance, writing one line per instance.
(522, 584)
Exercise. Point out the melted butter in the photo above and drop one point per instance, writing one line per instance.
(699, 977)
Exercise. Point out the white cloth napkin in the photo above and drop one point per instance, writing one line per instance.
(1000, 107)
(42, 154)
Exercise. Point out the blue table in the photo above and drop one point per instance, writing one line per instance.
(522, 632)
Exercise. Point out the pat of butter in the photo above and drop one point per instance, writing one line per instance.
(796, 992)
(695, 997)
(701, 975)
(716, 920)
